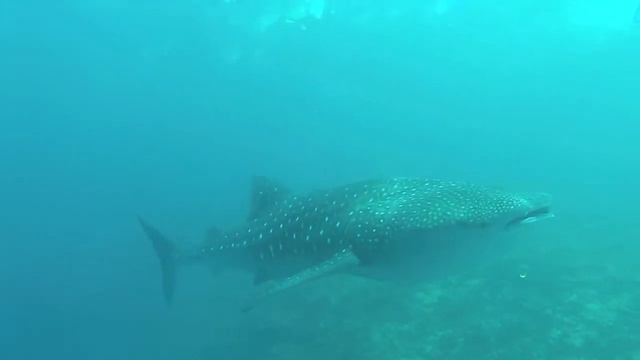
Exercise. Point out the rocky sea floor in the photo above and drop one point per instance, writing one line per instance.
(503, 312)
(566, 304)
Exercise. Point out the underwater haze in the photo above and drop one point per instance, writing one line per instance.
(111, 109)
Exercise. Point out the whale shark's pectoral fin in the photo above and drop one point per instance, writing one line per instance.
(340, 262)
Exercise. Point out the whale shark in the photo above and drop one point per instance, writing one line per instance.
(289, 239)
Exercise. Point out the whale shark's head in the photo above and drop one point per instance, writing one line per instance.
(426, 205)
(530, 207)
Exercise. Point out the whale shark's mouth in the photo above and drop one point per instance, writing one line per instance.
(532, 216)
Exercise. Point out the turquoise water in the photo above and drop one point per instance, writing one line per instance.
(114, 108)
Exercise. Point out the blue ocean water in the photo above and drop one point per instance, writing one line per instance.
(112, 108)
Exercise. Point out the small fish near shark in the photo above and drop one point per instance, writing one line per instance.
(292, 239)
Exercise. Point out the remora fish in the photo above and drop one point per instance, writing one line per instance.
(291, 239)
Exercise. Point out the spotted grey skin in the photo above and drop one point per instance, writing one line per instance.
(371, 221)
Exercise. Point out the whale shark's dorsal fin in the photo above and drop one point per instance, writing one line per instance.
(265, 194)
(212, 236)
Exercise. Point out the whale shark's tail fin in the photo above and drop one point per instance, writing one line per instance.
(166, 252)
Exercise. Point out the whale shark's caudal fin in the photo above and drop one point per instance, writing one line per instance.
(166, 254)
